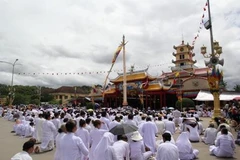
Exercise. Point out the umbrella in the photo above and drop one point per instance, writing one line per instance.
(123, 129)
(191, 110)
(171, 108)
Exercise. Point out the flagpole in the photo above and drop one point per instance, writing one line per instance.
(105, 82)
(125, 103)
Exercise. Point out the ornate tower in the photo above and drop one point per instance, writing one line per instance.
(184, 58)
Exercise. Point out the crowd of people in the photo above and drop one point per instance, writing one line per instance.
(86, 134)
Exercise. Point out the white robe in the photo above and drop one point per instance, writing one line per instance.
(104, 149)
(38, 129)
(186, 151)
(21, 156)
(95, 137)
(138, 152)
(193, 133)
(122, 150)
(224, 147)
(210, 135)
(170, 126)
(48, 135)
(57, 155)
(167, 151)
(72, 147)
(160, 126)
(149, 131)
(84, 135)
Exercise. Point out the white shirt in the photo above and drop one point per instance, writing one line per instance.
(121, 149)
(167, 151)
(170, 126)
(84, 135)
(72, 147)
(21, 156)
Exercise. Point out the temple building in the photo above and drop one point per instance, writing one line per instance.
(146, 91)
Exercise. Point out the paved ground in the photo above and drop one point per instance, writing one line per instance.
(11, 144)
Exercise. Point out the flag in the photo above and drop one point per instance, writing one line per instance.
(144, 84)
(176, 74)
(117, 53)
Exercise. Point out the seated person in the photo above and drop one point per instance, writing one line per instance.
(186, 151)
(210, 135)
(219, 133)
(224, 146)
(193, 132)
(137, 148)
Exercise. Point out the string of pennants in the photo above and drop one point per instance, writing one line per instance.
(201, 24)
(83, 73)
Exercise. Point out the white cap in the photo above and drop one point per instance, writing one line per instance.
(136, 136)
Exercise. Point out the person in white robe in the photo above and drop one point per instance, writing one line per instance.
(49, 132)
(38, 128)
(193, 132)
(115, 122)
(158, 142)
(105, 121)
(149, 130)
(121, 148)
(160, 125)
(224, 146)
(61, 133)
(71, 146)
(186, 152)
(104, 149)
(170, 126)
(176, 114)
(83, 134)
(137, 148)
(167, 150)
(95, 137)
(130, 120)
(29, 130)
(210, 135)
(28, 148)
(220, 133)
(56, 121)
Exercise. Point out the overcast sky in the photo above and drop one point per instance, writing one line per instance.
(80, 36)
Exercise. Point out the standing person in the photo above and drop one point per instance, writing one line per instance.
(210, 134)
(149, 130)
(72, 147)
(28, 148)
(95, 137)
(49, 132)
(104, 149)
(83, 134)
(61, 133)
(224, 146)
(121, 148)
(105, 121)
(137, 148)
(56, 121)
(186, 151)
(167, 150)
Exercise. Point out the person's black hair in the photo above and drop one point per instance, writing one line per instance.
(47, 115)
(27, 145)
(224, 131)
(117, 118)
(104, 114)
(88, 120)
(148, 119)
(166, 136)
(31, 124)
(221, 127)
(122, 137)
(91, 113)
(165, 117)
(170, 119)
(70, 125)
(65, 120)
(159, 118)
(82, 113)
(130, 116)
(96, 123)
(56, 114)
(82, 122)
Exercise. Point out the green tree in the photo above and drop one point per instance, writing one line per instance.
(236, 88)
(186, 103)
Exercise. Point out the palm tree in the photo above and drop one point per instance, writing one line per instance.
(236, 88)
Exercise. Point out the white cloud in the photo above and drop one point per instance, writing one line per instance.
(74, 36)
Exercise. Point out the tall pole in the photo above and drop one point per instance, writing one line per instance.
(11, 92)
(211, 30)
(125, 103)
